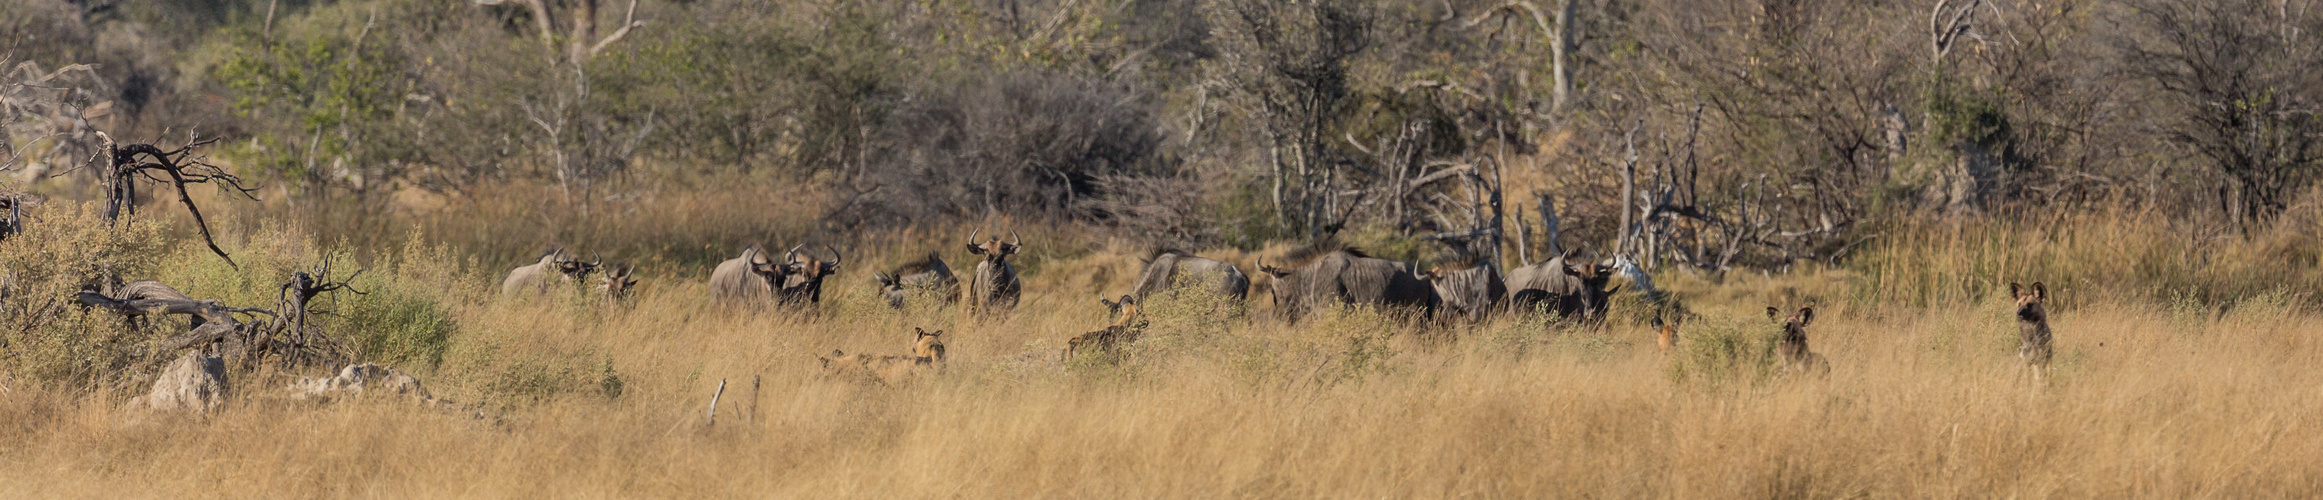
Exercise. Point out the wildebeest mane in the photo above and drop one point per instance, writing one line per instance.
(1157, 252)
(919, 265)
(1307, 254)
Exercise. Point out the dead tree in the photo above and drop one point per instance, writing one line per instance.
(1560, 38)
(130, 162)
(292, 338)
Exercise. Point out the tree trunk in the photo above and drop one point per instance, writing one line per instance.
(1563, 45)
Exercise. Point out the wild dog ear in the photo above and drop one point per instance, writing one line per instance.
(2040, 292)
(1806, 315)
(1127, 300)
(2015, 290)
(1109, 303)
(1774, 314)
(1657, 323)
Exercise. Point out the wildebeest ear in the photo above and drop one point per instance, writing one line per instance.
(1806, 315)
(2015, 290)
(1774, 314)
(2040, 292)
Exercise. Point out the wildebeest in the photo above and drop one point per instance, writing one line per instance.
(1792, 346)
(1349, 277)
(618, 282)
(995, 285)
(752, 277)
(925, 277)
(805, 284)
(554, 267)
(1125, 329)
(1566, 289)
(1469, 288)
(1165, 269)
(927, 354)
(2032, 328)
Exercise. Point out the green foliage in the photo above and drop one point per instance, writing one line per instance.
(1958, 112)
(327, 90)
(67, 248)
(1722, 352)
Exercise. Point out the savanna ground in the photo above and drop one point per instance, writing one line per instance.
(2158, 389)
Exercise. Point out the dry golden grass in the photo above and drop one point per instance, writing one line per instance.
(2145, 401)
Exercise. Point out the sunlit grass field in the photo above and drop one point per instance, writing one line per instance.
(2207, 392)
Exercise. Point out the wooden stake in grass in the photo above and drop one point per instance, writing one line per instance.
(751, 415)
(714, 402)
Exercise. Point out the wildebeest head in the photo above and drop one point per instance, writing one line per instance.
(571, 266)
(993, 250)
(1595, 296)
(807, 273)
(1285, 282)
(927, 346)
(773, 271)
(890, 287)
(619, 281)
(2028, 302)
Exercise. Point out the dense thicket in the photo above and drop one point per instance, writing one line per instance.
(1756, 132)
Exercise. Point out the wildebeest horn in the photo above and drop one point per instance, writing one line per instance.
(835, 257)
(972, 235)
(793, 254)
(1019, 238)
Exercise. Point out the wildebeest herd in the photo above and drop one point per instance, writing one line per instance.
(1317, 277)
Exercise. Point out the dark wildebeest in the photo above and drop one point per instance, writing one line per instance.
(926, 277)
(618, 282)
(1166, 268)
(1469, 288)
(554, 267)
(995, 285)
(2033, 333)
(751, 277)
(1348, 277)
(1797, 358)
(1566, 289)
(1125, 329)
(805, 284)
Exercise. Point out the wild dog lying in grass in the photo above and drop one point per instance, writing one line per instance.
(2033, 328)
(1793, 344)
(927, 354)
(1125, 329)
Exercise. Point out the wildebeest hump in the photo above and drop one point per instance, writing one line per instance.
(1167, 268)
(735, 279)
